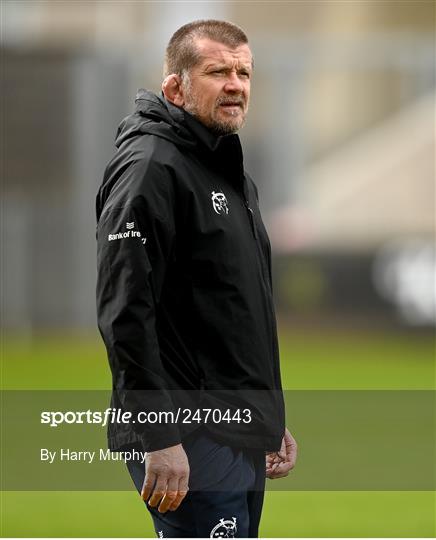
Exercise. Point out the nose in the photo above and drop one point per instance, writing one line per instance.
(233, 83)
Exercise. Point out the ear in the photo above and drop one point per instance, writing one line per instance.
(172, 89)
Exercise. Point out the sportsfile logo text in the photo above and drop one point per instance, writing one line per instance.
(117, 416)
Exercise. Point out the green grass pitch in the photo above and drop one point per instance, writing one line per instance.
(310, 360)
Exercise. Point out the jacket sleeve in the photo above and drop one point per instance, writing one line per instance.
(135, 241)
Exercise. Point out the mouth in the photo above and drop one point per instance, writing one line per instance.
(231, 107)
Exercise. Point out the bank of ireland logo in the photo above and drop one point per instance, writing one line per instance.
(219, 203)
(225, 528)
(129, 233)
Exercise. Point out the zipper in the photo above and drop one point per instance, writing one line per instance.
(259, 250)
(244, 196)
(265, 279)
(251, 216)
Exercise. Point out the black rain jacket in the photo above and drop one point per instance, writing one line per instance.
(184, 294)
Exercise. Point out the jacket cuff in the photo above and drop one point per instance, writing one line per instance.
(151, 443)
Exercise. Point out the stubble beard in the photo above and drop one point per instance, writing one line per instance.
(218, 127)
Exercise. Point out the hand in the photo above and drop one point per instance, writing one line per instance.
(278, 464)
(166, 478)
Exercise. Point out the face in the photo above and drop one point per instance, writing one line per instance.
(217, 91)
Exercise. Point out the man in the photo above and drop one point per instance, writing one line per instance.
(184, 295)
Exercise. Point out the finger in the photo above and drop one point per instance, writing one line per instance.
(148, 485)
(274, 476)
(291, 449)
(289, 440)
(158, 491)
(279, 470)
(170, 494)
(178, 500)
(274, 458)
(181, 494)
(282, 469)
(270, 470)
(277, 473)
(269, 461)
(282, 452)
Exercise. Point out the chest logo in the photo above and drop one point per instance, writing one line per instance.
(219, 203)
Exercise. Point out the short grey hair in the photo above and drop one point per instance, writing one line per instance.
(182, 54)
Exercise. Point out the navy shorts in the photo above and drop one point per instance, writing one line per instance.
(226, 489)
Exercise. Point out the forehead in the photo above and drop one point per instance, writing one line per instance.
(212, 52)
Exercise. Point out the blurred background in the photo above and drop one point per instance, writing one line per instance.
(340, 141)
(339, 138)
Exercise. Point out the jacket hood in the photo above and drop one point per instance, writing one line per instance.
(155, 115)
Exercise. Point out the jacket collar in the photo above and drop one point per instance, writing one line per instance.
(202, 133)
(199, 130)
(225, 149)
